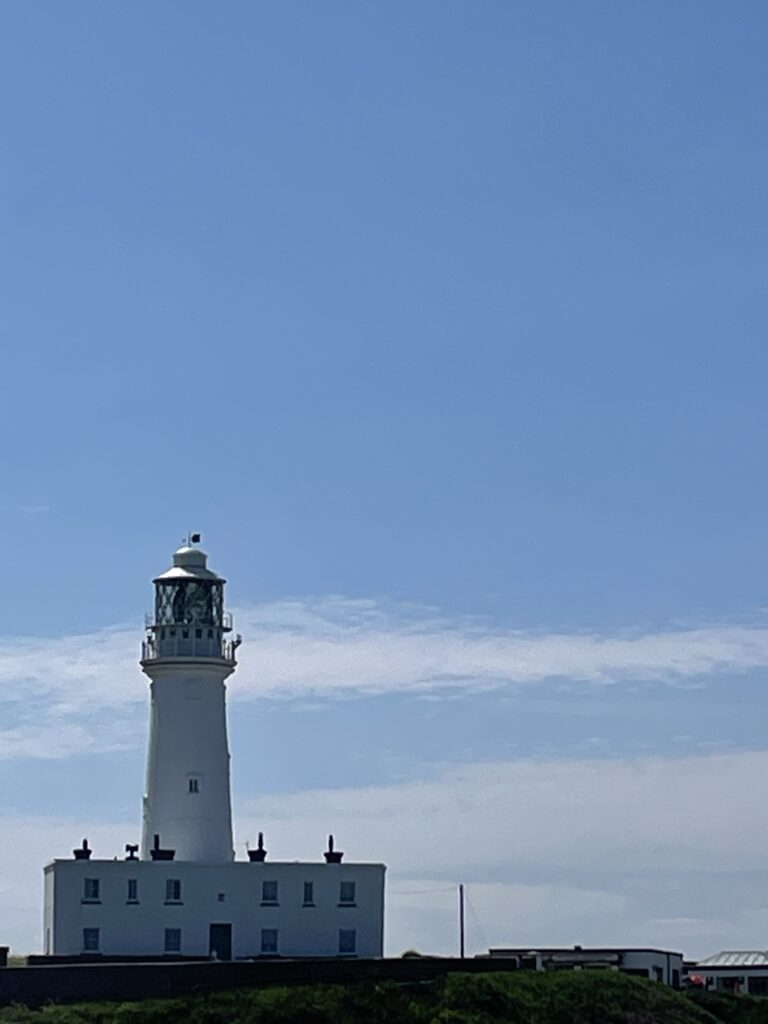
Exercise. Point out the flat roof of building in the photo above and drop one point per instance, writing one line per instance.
(115, 862)
(570, 950)
(735, 958)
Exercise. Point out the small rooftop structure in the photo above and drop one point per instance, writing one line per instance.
(189, 564)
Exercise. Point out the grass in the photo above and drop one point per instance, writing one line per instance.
(578, 997)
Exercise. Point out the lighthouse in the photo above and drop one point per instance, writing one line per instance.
(181, 892)
(188, 656)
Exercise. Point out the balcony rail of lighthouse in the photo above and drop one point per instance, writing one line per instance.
(180, 646)
(226, 621)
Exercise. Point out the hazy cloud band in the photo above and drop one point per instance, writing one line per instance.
(336, 647)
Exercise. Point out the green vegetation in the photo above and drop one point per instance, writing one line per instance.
(513, 998)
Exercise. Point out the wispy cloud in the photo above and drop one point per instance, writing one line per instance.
(335, 647)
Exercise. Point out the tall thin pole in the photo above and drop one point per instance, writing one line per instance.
(461, 921)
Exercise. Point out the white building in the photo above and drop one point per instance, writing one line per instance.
(187, 895)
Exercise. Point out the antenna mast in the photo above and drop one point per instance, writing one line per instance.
(461, 921)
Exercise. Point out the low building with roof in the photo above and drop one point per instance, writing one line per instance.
(657, 964)
(743, 971)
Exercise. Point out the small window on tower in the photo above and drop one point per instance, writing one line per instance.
(194, 784)
(309, 894)
(133, 891)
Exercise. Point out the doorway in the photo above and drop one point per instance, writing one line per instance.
(220, 942)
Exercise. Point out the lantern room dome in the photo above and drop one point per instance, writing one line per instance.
(188, 557)
(189, 563)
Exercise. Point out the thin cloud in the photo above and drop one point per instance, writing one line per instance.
(618, 815)
(336, 647)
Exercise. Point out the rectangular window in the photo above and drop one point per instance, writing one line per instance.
(269, 893)
(198, 634)
(172, 890)
(172, 940)
(91, 890)
(269, 940)
(347, 893)
(309, 894)
(347, 940)
(194, 784)
(133, 891)
(90, 940)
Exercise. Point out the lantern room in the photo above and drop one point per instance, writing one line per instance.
(189, 618)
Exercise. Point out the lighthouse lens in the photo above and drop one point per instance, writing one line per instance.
(198, 604)
(188, 602)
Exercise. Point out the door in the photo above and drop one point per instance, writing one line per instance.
(220, 942)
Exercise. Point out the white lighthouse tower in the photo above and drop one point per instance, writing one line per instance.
(187, 655)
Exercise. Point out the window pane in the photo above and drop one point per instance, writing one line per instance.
(90, 940)
(173, 890)
(172, 940)
(347, 892)
(347, 940)
(133, 889)
(269, 892)
(309, 892)
(217, 604)
(269, 940)
(91, 889)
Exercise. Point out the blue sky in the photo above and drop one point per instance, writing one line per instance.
(444, 322)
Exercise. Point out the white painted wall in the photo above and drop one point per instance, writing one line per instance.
(188, 739)
(654, 961)
(139, 929)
